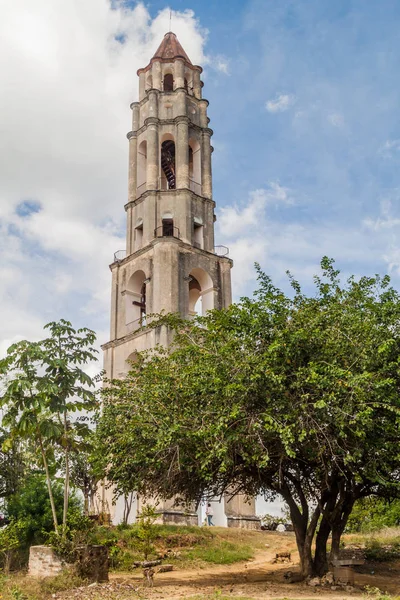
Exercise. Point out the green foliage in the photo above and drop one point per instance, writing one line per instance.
(11, 539)
(66, 580)
(145, 531)
(379, 551)
(374, 593)
(223, 553)
(43, 384)
(373, 514)
(32, 507)
(296, 396)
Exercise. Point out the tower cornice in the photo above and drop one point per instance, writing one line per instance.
(160, 193)
(155, 120)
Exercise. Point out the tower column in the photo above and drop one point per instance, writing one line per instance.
(152, 154)
(206, 173)
(132, 182)
(156, 74)
(196, 84)
(182, 152)
(179, 74)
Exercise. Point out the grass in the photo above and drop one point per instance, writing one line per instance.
(21, 587)
(193, 546)
(380, 546)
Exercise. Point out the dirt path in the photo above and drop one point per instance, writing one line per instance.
(258, 579)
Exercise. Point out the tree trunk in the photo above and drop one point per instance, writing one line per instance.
(66, 483)
(46, 468)
(86, 503)
(321, 565)
(338, 526)
(304, 532)
(335, 548)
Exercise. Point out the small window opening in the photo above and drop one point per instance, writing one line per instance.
(168, 83)
(167, 227)
(168, 163)
(186, 85)
(190, 162)
(138, 236)
(198, 236)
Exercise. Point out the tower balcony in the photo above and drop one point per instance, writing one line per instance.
(167, 229)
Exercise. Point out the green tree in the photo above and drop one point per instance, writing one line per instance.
(10, 540)
(43, 384)
(294, 396)
(12, 467)
(31, 506)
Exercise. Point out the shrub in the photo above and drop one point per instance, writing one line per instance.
(379, 552)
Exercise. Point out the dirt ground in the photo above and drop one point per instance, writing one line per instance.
(258, 579)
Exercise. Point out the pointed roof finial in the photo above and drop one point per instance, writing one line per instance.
(170, 47)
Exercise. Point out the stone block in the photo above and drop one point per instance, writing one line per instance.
(43, 562)
(244, 522)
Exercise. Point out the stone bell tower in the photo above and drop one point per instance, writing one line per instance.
(171, 263)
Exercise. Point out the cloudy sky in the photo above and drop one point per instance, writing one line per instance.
(304, 103)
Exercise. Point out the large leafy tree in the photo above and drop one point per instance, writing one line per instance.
(44, 383)
(296, 396)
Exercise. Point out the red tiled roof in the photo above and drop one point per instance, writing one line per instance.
(171, 48)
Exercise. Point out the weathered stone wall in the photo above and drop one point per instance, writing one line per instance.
(91, 564)
(43, 562)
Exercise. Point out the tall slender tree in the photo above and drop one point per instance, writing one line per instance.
(44, 384)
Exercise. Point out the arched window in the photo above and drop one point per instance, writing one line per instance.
(186, 85)
(168, 178)
(168, 227)
(149, 82)
(141, 168)
(201, 292)
(135, 307)
(168, 82)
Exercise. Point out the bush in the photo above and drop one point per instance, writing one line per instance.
(12, 537)
(380, 552)
(373, 514)
(32, 506)
(66, 580)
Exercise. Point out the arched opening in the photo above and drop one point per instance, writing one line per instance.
(168, 177)
(201, 292)
(149, 82)
(132, 358)
(141, 168)
(194, 166)
(135, 307)
(168, 82)
(138, 238)
(186, 85)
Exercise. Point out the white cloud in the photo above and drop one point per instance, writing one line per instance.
(235, 219)
(67, 83)
(257, 232)
(221, 64)
(281, 103)
(336, 119)
(390, 148)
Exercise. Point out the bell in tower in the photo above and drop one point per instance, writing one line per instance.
(171, 263)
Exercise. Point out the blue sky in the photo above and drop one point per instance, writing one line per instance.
(304, 104)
